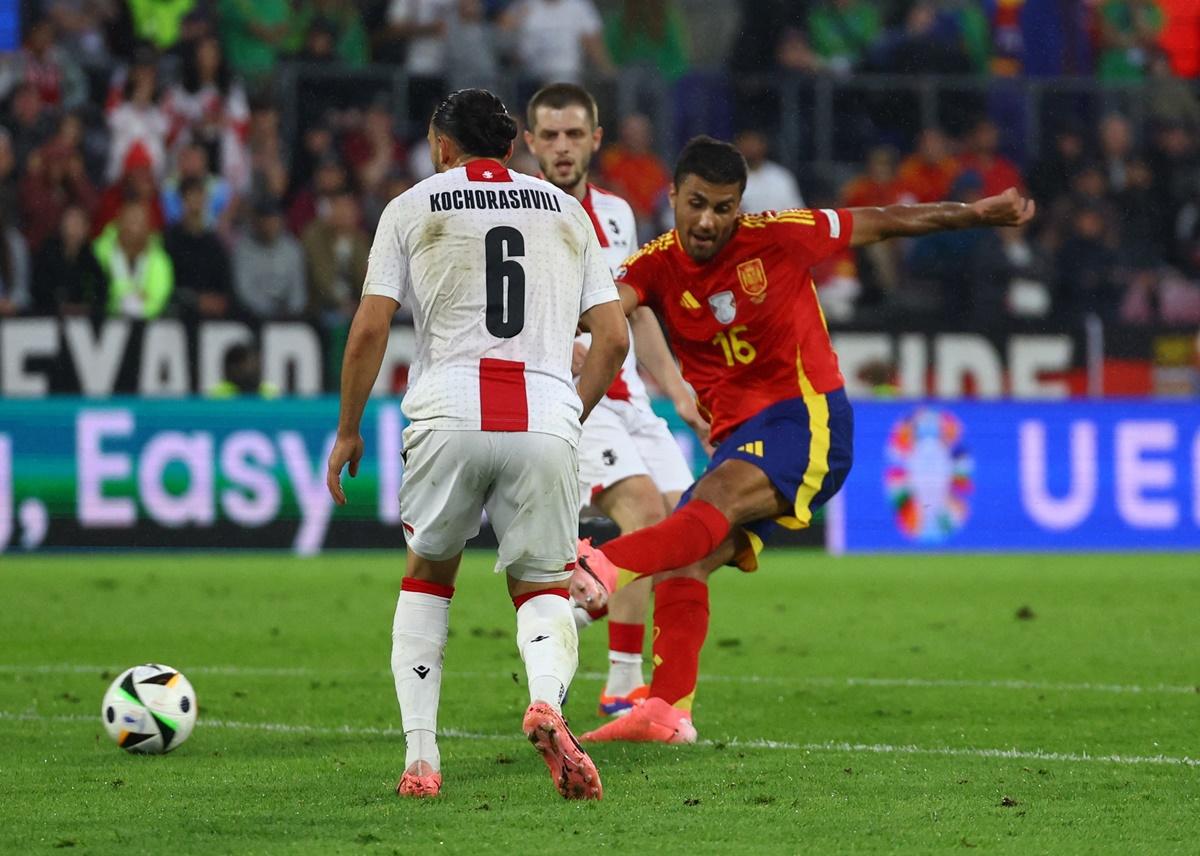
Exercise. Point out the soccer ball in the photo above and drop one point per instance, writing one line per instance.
(149, 709)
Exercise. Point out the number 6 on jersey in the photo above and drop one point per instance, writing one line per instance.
(505, 281)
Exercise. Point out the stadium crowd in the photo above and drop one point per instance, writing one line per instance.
(147, 167)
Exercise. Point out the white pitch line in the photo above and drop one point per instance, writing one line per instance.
(1012, 754)
(810, 680)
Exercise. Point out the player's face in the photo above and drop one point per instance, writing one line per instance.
(563, 142)
(705, 215)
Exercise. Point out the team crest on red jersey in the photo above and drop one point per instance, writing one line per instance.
(753, 277)
(723, 306)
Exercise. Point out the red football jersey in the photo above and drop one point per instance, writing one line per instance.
(746, 325)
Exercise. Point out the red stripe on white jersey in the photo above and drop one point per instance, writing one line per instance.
(503, 405)
(486, 169)
(619, 391)
(591, 212)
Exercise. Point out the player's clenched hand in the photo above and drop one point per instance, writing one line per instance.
(1010, 208)
(689, 413)
(346, 450)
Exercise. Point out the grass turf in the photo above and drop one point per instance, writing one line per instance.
(1084, 665)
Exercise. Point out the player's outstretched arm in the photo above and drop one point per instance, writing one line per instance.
(910, 221)
(360, 366)
(656, 357)
(610, 343)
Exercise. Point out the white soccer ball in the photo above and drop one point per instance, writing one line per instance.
(149, 709)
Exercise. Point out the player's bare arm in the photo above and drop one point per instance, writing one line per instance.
(610, 343)
(629, 298)
(654, 354)
(364, 355)
(1009, 208)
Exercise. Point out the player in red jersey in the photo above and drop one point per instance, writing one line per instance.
(740, 308)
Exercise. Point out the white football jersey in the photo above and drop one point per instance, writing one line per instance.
(616, 229)
(496, 268)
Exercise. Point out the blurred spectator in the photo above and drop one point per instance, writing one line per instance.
(419, 29)
(1174, 156)
(843, 31)
(648, 33)
(1129, 32)
(159, 22)
(880, 185)
(81, 30)
(1009, 278)
(937, 262)
(769, 186)
(14, 268)
(209, 108)
(8, 171)
(553, 37)
(394, 183)
(138, 272)
(1171, 99)
(66, 277)
(255, 34)
(191, 164)
(135, 118)
(982, 155)
(1116, 148)
(317, 145)
(27, 121)
(243, 375)
(772, 30)
(313, 201)
(928, 173)
(375, 150)
(203, 280)
(921, 46)
(137, 183)
(1143, 244)
(472, 50)
(268, 266)
(632, 169)
(341, 22)
(269, 157)
(42, 63)
(1050, 176)
(1086, 264)
(54, 180)
(335, 249)
(965, 24)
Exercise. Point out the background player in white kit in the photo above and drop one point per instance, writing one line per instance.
(498, 269)
(630, 466)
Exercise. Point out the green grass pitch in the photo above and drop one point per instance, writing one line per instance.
(1022, 704)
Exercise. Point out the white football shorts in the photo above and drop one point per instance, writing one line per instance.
(527, 482)
(619, 441)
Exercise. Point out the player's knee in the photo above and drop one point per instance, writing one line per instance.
(691, 572)
(634, 503)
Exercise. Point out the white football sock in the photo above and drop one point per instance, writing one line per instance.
(418, 642)
(549, 645)
(624, 673)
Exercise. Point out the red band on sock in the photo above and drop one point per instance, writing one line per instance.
(423, 587)
(521, 599)
(626, 638)
(688, 535)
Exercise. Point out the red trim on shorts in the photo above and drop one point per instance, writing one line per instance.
(619, 391)
(424, 587)
(591, 212)
(486, 169)
(598, 489)
(569, 566)
(521, 599)
(502, 402)
(407, 527)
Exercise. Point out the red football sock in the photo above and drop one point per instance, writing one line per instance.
(680, 627)
(626, 638)
(687, 536)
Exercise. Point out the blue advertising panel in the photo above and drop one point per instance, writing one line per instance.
(987, 476)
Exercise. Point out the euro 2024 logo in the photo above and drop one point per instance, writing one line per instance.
(928, 475)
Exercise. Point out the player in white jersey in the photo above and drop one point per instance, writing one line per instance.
(497, 269)
(630, 466)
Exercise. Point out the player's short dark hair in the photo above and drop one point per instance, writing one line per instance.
(558, 96)
(478, 121)
(714, 161)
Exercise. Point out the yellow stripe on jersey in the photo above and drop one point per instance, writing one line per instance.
(663, 242)
(803, 216)
(688, 301)
(818, 450)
